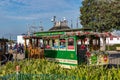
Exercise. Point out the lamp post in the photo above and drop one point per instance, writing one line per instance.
(77, 24)
(71, 24)
(41, 27)
(53, 20)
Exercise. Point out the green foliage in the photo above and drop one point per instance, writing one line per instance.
(117, 45)
(36, 69)
(112, 47)
(100, 15)
(3, 40)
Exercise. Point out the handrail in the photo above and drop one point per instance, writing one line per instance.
(5, 59)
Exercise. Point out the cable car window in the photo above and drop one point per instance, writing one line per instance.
(62, 44)
(55, 43)
(70, 43)
(40, 44)
(47, 44)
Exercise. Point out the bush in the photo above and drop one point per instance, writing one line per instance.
(41, 69)
(112, 47)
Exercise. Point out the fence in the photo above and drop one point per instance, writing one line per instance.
(114, 58)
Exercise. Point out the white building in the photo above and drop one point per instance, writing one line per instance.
(21, 40)
(114, 40)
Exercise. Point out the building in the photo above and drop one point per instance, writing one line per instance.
(21, 40)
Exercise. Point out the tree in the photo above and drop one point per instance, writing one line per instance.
(115, 11)
(101, 15)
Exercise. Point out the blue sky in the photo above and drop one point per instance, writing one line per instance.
(16, 16)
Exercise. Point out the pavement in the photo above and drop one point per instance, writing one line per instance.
(19, 56)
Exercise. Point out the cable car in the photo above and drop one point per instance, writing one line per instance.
(71, 47)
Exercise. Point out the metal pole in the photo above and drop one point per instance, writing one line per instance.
(71, 24)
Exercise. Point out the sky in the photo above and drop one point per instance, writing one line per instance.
(17, 16)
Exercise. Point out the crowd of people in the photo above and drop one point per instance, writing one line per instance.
(17, 47)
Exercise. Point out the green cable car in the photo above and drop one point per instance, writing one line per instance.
(70, 47)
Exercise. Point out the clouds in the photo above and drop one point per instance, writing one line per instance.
(26, 11)
(32, 7)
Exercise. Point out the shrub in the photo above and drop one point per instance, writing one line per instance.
(112, 47)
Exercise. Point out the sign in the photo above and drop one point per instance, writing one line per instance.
(17, 68)
(48, 33)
